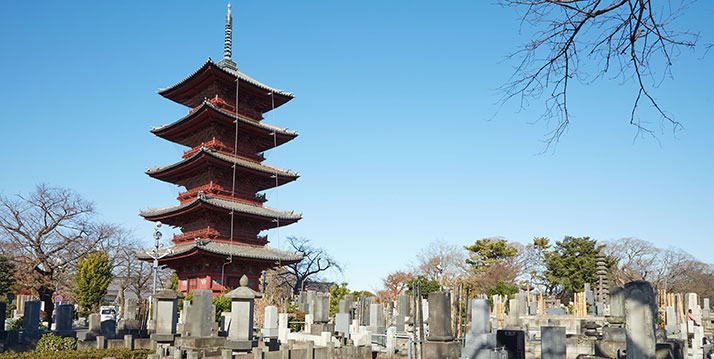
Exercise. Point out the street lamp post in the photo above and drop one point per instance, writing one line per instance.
(156, 255)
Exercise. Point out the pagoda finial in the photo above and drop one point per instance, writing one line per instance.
(229, 34)
(228, 42)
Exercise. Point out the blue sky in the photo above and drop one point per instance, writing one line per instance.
(395, 104)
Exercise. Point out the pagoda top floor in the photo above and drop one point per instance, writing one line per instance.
(220, 79)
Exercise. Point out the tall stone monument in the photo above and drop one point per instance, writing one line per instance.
(640, 315)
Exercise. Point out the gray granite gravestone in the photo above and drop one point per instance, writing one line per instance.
(479, 341)
(201, 314)
(552, 345)
(270, 322)
(640, 315)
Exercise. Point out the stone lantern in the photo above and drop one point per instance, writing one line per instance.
(240, 332)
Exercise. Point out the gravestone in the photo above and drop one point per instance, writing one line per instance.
(342, 323)
(404, 305)
(705, 304)
(64, 314)
(130, 305)
(617, 305)
(640, 315)
(166, 303)
(440, 319)
(375, 316)
(479, 341)
(95, 323)
(3, 308)
(321, 308)
(201, 314)
(555, 311)
(514, 341)
(31, 320)
(240, 335)
(533, 308)
(552, 345)
(270, 322)
(283, 328)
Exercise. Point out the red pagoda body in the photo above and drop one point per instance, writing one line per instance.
(221, 213)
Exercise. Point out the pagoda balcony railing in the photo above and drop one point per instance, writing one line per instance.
(222, 105)
(216, 190)
(219, 146)
(212, 144)
(201, 233)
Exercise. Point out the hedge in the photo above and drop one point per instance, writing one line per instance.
(80, 354)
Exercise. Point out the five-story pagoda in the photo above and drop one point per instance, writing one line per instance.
(221, 213)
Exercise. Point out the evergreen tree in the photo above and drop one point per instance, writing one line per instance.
(487, 251)
(427, 285)
(7, 275)
(571, 264)
(92, 277)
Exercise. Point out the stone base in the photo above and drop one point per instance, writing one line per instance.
(319, 328)
(441, 350)
(66, 333)
(163, 338)
(269, 332)
(199, 342)
(608, 348)
(241, 345)
(479, 346)
(86, 335)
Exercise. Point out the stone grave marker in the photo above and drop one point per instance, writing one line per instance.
(552, 342)
(640, 315)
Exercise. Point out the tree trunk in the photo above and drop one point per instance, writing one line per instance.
(45, 295)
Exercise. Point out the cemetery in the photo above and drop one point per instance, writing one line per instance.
(624, 323)
(221, 290)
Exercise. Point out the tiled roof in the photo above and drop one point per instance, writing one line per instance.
(226, 248)
(229, 159)
(234, 73)
(207, 103)
(239, 207)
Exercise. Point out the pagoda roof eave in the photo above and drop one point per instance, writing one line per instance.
(222, 204)
(207, 105)
(209, 64)
(240, 250)
(246, 164)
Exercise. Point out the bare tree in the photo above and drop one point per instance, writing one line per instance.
(132, 274)
(672, 269)
(585, 40)
(442, 262)
(315, 261)
(46, 232)
(635, 260)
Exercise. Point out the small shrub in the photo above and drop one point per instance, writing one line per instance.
(52, 343)
(16, 324)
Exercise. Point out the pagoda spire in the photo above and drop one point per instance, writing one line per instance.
(228, 42)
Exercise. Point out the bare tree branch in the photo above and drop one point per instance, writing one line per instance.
(633, 35)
